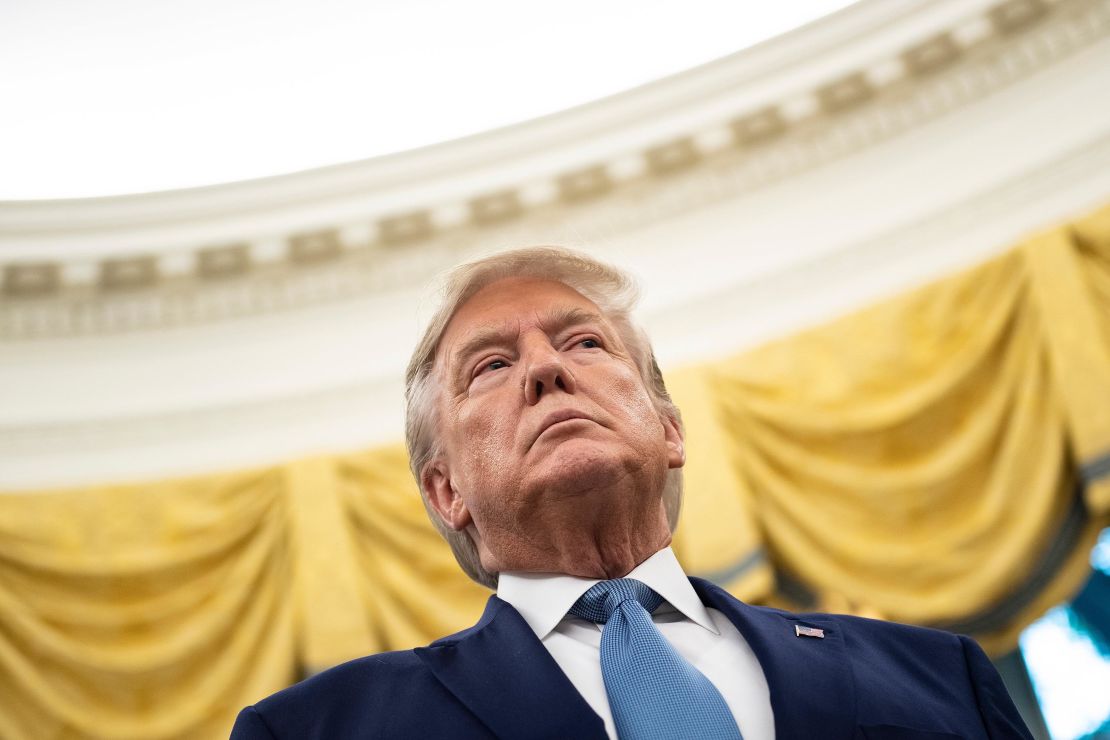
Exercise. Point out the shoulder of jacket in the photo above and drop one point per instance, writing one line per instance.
(342, 678)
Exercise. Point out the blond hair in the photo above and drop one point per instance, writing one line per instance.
(613, 291)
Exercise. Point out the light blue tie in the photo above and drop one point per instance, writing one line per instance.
(653, 692)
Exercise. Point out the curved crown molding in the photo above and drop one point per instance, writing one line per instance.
(849, 82)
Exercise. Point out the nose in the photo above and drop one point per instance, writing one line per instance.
(546, 373)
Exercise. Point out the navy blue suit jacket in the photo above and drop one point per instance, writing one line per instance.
(865, 679)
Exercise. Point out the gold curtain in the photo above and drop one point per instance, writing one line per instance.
(941, 458)
(914, 461)
(143, 611)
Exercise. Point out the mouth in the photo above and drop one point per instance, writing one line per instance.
(558, 417)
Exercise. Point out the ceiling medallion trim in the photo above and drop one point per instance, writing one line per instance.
(754, 149)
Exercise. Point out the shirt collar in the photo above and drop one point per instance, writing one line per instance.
(543, 599)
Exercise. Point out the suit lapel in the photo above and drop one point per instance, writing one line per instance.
(503, 674)
(812, 690)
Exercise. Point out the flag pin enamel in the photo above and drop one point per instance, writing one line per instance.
(801, 631)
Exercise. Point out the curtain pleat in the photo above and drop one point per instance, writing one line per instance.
(142, 611)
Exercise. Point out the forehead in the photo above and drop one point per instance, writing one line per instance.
(512, 302)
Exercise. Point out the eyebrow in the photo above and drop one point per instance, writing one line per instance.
(554, 321)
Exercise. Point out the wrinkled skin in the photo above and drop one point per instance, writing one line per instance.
(553, 455)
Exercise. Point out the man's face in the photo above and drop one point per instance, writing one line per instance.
(546, 427)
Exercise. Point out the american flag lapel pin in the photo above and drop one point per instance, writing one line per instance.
(801, 631)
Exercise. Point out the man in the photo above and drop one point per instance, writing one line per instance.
(549, 455)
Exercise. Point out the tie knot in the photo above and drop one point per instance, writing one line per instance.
(599, 603)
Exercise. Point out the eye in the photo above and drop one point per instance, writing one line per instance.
(490, 366)
(589, 343)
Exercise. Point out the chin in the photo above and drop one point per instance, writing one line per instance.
(581, 465)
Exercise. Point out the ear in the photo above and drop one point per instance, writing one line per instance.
(676, 441)
(435, 479)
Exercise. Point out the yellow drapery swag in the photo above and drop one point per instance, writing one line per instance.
(942, 458)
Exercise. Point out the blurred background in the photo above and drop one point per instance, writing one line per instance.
(873, 240)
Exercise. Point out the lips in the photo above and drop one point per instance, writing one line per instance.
(556, 417)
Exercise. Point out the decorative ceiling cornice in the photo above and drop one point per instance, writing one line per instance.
(376, 240)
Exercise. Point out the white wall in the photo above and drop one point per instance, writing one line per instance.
(932, 171)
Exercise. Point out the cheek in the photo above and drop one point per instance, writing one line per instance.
(630, 402)
(632, 397)
(484, 436)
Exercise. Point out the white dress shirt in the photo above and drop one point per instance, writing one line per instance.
(704, 637)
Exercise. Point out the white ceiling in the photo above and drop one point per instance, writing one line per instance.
(127, 96)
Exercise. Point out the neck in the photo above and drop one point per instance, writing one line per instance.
(606, 546)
